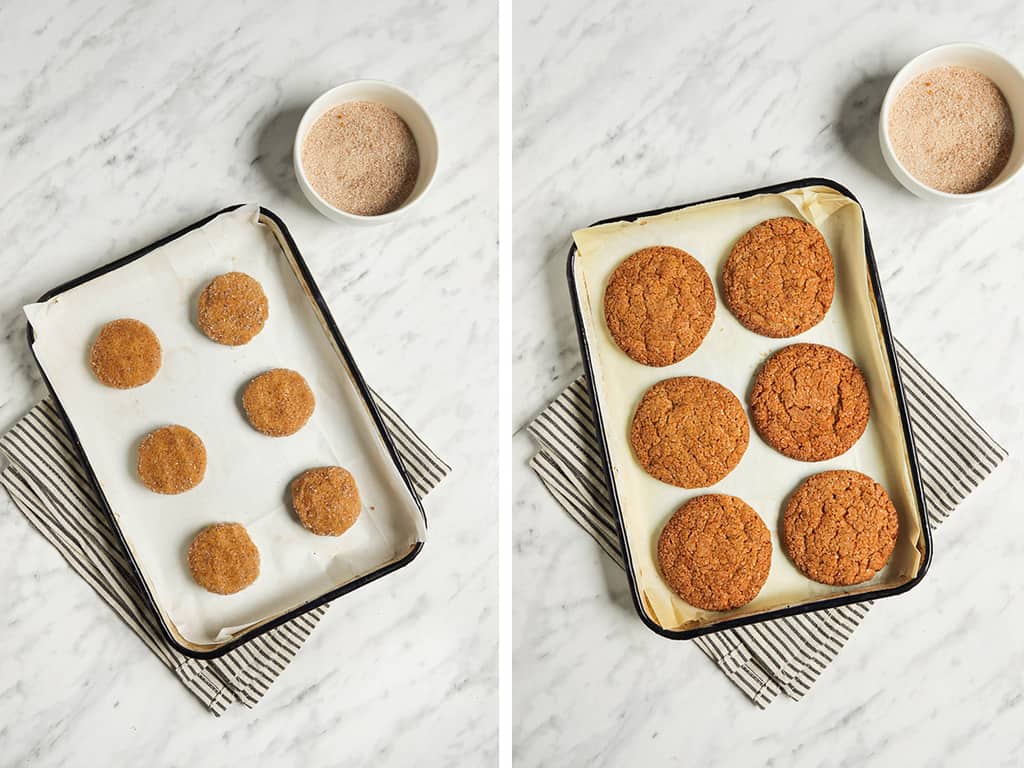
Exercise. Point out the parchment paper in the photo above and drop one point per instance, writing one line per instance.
(731, 355)
(199, 385)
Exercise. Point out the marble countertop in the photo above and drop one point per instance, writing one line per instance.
(620, 109)
(119, 127)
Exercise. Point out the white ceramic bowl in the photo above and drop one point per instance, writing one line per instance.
(407, 107)
(982, 59)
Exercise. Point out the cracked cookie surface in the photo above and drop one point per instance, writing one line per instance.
(715, 552)
(659, 305)
(810, 402)
(779, 278)
(840, 527)
(689, 432)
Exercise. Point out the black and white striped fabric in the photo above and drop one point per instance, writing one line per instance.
(47, 482)
(786, 655)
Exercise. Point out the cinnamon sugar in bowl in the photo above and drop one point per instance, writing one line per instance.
(365, 152)
(951, 126)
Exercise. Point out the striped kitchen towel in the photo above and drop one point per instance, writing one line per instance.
(47, 482)
(785, 655)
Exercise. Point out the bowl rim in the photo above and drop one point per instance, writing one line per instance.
(890, 95)
(338, 213)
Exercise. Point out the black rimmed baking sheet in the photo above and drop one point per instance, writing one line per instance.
(326, 322)
(880, 321)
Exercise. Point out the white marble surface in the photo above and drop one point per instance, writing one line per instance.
(119, 127)
(623, 108)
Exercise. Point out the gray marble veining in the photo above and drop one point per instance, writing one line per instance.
(624, 106)
(120, 125)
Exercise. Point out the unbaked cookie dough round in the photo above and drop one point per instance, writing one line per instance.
(326, 500)
(232, 309)
(125, 354)
(279, 402)
(223, 558)
(171, 460)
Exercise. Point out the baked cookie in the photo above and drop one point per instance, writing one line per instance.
(171, 460)
(326, 500)
(232, 309)
(839, 527)
(715, 552)
(688, 431)
(223, 559)
(126, 354)
(278, 402)
(779, 278)
(659, 305)
(810, 402)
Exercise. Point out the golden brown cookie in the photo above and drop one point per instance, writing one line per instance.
(232, 309)
(715, 552)
(659, 305)
(278, 402)
(223, 559)
(688, 431)
(779, 278)
(326, 500)
(126, 354)
(171, 460)
(839, 527)
(810, 402)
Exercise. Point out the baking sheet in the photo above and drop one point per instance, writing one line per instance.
(731, 355)
(199, 385)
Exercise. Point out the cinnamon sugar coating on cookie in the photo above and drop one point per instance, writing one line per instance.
(810, 402)
(223, 558)
(125, 354)
(840, 527)
(659, 305)
(171, 460)
(232, 309)
(715, 552)
(689, 432)
(326, 500)
(279, 402)
(779, 279)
